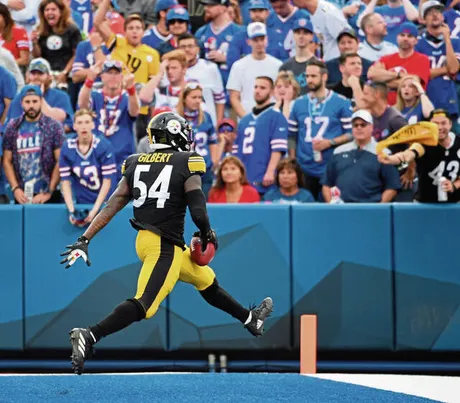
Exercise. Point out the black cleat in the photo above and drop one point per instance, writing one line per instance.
(82, 341)
(259, 314)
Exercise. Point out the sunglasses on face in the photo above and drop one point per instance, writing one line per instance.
(171, 22)
(111, 64)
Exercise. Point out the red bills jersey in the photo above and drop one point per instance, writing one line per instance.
(19, 41)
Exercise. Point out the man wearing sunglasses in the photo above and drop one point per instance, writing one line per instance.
(355, 169)
(177, 22)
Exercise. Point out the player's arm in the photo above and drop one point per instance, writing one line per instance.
(416, 150)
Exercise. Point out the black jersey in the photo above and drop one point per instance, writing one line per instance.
(156, 183)
(438, 162)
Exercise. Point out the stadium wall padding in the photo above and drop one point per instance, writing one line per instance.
(379, 277)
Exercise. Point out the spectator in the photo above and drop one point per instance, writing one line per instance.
(116, 110)
(87, 166)
(280, 24)
(412, 101)
(157, 34)
(328, 21)
(14, 38)
(207, 74)
(31, 149)
(141, 60)
(234, 12)
(289, 183)
(216, 44)
(245, 71)
(319, 121)
(395, 13)
(303, 36)
(232, 185)
(175, 65)
(347, 42)
(56, 39)
(286, 91)
(352, 11)
(8, 62)
(226, 133)
(262, 137)
(350, 86)
(55, 103)
(374, 46)
(177, 21)
(434, 163)
(452, 18)
(442, 52)
(7, 93)
(356, 171)
(259, 11)
(82, 14)
(189, 107)
(24, 13)
(145, 9)
(392, 68)
(113, 17)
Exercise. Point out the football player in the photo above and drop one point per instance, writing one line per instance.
(434, 163)
(161, 184)
(87, 166)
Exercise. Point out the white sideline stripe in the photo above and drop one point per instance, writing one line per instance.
(113, 374)
(441, 388)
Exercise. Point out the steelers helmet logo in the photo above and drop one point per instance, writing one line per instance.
(54, 42)
(173, 126)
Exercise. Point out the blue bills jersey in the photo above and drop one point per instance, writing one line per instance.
(220, 42)
(452, 19)
(114, 122)
(326, 120)
(279, 31)
(84, 56)
(205, 135)
(84, 8)
(413, 114)
(87, 172)
(154, 39)
(258, 136)
(441, 90)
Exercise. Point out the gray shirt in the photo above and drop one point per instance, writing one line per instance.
(145, 8)
(298, 69)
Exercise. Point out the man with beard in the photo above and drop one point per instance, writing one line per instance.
(262, 137)
(434, 163)
(391, 68)
(442, 52)
(319, 121)
(32, 145)
(217, 34)
(245, 71)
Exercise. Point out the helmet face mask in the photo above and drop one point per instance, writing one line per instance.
(171, 130)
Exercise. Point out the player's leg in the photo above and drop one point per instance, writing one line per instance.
(159, 273)
(204, 280)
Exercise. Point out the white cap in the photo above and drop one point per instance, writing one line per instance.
(256, 29)
(431, 4)
(364, 115)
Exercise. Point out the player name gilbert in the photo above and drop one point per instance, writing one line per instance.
(157, 157)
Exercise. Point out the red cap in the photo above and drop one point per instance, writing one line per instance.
(226, 121)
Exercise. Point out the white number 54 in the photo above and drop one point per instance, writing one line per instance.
(159, 189)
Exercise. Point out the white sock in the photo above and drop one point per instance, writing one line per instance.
(249, 318)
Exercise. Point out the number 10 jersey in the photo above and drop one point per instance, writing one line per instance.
(156, 182)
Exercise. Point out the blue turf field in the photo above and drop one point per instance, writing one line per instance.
(190, 388)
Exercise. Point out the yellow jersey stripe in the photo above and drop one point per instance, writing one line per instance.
(197, 166)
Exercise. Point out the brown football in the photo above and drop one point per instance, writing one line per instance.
(200, 257)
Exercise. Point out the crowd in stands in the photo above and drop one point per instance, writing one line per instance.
(287, 98)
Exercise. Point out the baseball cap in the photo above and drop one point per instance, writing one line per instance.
(256, 29)
(178, 13)
(347, 31)
(364, 115)
(41, 65)
(431, 4)
(408, 28)
(303, 23)
(258, 5)
(161, 109)
(215, 2)
(226, 125)
(162, 5)
(30, 90)
(112, 64)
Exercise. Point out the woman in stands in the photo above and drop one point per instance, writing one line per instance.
(412, 101)
(232, 185)
(13, 37)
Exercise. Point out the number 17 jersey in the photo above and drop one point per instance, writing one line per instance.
(156, 183)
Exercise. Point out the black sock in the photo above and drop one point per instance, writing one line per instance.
(123, 315)
(216, 296)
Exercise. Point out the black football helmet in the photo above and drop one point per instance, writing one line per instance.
(171, 129)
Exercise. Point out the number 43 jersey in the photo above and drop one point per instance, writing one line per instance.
(438, 162)
(156, 182)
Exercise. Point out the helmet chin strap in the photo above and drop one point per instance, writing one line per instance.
(154, 146)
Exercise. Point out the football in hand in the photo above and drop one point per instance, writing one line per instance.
(200, 257)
